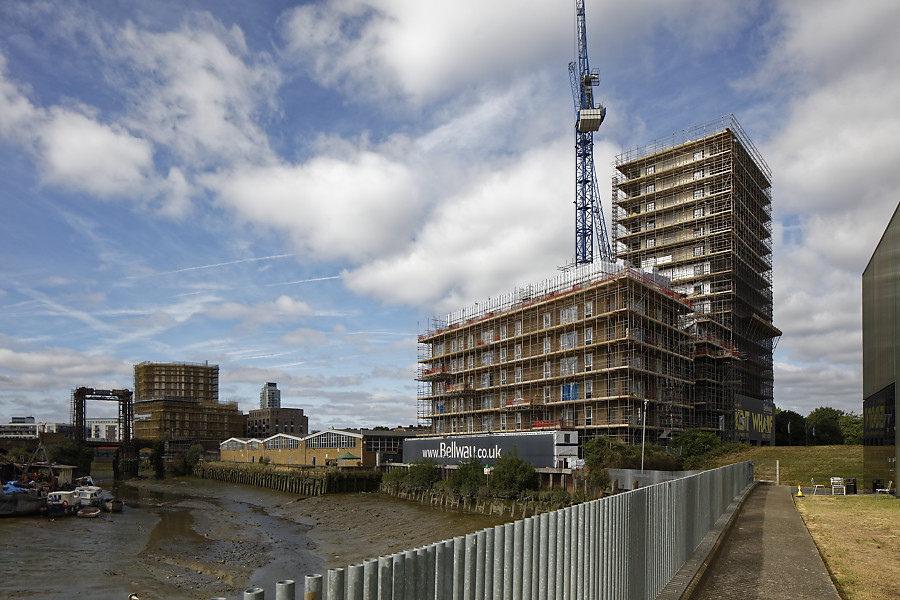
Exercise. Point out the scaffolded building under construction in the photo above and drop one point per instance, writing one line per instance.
(179, 403)
(590, 349)
(697, 207)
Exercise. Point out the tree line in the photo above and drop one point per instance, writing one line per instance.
(825, 426)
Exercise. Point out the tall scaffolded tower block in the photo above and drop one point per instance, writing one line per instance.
(588, 118)
(697, 206)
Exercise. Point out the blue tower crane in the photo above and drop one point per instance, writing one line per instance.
(588, 117)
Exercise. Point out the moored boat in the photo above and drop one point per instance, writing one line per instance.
(20, 503)
(112, 504)
(61, 503)
(88, 512)
(88, 495)
(17, 501)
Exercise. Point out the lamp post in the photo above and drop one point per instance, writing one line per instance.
(643, 434)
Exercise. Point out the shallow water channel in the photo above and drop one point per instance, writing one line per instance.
(189, 538)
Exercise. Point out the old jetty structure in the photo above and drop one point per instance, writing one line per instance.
(304, 482)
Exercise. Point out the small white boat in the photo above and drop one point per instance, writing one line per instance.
(88, 512)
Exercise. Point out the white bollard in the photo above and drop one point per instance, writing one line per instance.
(312, 587)
(254, 593)
(370, 579)
(355, 582)
(284, 589)
(335, 589)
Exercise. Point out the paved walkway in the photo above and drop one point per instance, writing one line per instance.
(768, 553)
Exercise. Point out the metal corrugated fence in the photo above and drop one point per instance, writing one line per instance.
(619, 547)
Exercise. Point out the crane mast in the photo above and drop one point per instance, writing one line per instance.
(588, 117)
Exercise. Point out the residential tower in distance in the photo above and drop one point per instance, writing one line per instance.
(270, 396)
(271, 418)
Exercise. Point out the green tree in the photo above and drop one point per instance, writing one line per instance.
(422, 475)
(823, 426)
(512, 475)
(74, 453)
(852, 427)
(603, 453)
(789, 428)
(468, 477)
(193, 456)
(395, 476)
(696, 443)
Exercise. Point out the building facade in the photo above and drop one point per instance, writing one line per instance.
(102, 429)
(332, 447)
(179, 403)
(269, 396)
(266, 422)
(26, 428)
(697, 207)
(589, 350)
(881, 358)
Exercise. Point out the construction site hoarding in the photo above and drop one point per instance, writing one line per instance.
(754, 420)
(541, 449)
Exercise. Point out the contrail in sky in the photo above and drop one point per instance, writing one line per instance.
(224, 264)
(304, 280)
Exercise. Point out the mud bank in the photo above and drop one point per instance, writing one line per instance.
(196, 539)
(218, 539)
(348, 528)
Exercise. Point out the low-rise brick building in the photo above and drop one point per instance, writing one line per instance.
(332, 447)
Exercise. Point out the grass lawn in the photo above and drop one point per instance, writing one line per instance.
(859, 539)
(800, 463)
(857, 536)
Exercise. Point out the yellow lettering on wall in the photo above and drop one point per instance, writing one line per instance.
(741, 420)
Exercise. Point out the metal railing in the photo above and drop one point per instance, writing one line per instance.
(620, 547)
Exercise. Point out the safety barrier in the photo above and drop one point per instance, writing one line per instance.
(622, 547)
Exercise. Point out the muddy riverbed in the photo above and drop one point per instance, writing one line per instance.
(189, 538)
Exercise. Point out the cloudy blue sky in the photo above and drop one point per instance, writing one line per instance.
(290, 190)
